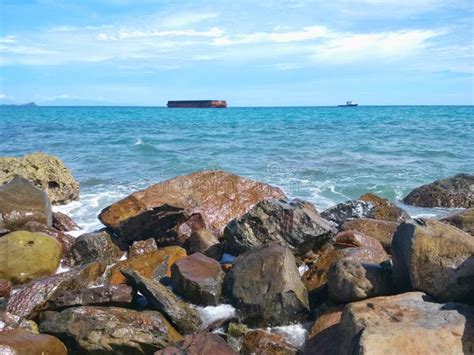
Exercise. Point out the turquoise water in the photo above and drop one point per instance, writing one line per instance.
(322, 154)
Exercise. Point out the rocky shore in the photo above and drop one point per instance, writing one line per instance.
(211, 262)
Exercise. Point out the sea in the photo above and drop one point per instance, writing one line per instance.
(325, 155)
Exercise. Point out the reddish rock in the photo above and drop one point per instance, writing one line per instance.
(21, 342)
(5, 288)
(203, 241)
(384, 209)
(463, 220)
(64, 223)
(198, 279)
(146, 264)
(323, 337)
(383, 231)
(9, 321)
(66, 240)
(142, 247)
(170, 211)
(199, 344)
(261, 342)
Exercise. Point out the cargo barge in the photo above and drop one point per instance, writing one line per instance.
(198, 104)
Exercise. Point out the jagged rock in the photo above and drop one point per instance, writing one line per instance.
(198, 279)
(25, 256)
(435, 258)
(453, 192)
(349, 210)
(199, 344)
(46, 172)
(295, 224)
(261, 342)
(383, 231)
(179, 313)
(21, 342)
(406, 324)
(33, 298)
(170, 211)
(110, 330)
(463, 220)
(119, 296)
(203, 241)
(146, 264)
(64, 223)
(323, 336)
(66, 240)
(265, 286)
(350, 280)
(385, 210)
(21, 203)
(91, 247)
(142, 247)
(9, 321)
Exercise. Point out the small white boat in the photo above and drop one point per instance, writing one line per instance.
(348, 104)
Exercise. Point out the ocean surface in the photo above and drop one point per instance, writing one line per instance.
(322, 154)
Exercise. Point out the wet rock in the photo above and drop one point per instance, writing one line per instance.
(383, 231)
(350, 280)
(91, 247)
(349, 210)
(21, 342)
(66, 240)
(265, 286)
(146, 264)
(170, 211)
(33, 298)
(295, 224)
(142, 247)
(385, 210)
(25, 256)
(262, 342)
(5, 288)
(9, 321)
(203, 241)
(435, 258)
(119, 296)
(323, 337)
(453, 192)
(179, 313)
(406, 324)
(198, 279)
(46, 172)
(110, 330)
(199, 344)
(64, 223)
(21, 203)
(463, 220)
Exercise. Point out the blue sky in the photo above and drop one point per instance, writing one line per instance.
(251, 53)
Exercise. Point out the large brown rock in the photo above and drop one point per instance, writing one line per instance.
(265, 286)
(295, 224)
(261, 342)
(383, 231)
(435, 258)
(21, 203)
(323, 336)
(31, 299)
(146, 264)
(46, 172)
(463, 220)
(198, 279)
(203, 241)
(66, 240)
(21, 342)
(199, 344)
(453, 192)
(170, 211)
(406, 324)
(110, 330)
(385, 210)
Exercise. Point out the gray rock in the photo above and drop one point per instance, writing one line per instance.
(349, 210)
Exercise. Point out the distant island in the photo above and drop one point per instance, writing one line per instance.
(29, 104)
(197, 104)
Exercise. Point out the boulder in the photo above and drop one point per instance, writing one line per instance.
(453, 192)
(383, 231)
(203, 241)
(435, 258)
(118, 296)
(406, 324)
(463, 220)
(25, 256)
(146, 264)
(385, 210)
(46, 172)
(21, 342)
(170, 211)
(265, 286)
(179, 313)
(261, 342)
(323, 336)
(198, 279)
(199, 344)
(91, 247)
(110, 330)
(21, 203)
(64, 223)
(31, 299)
(9, 321)
(142, 247)
(295, 224)
(349, 210)
(350, 280)
(66, 240)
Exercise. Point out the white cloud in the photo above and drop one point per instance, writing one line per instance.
(8, 39)
(130, 33)
(182, 19)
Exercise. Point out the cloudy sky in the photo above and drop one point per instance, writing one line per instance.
(252, 53)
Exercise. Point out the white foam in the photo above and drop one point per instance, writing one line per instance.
(138, 141)
(302, 269)
(61, 268)
(211, 314)
(294, 334)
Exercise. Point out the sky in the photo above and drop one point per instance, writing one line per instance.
(250, 53)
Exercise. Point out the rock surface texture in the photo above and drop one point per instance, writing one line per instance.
(263, 342)
(21, 342)
(383, 231)
(463, 220)
(91, 247)
(199, 344)
(323, 336)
